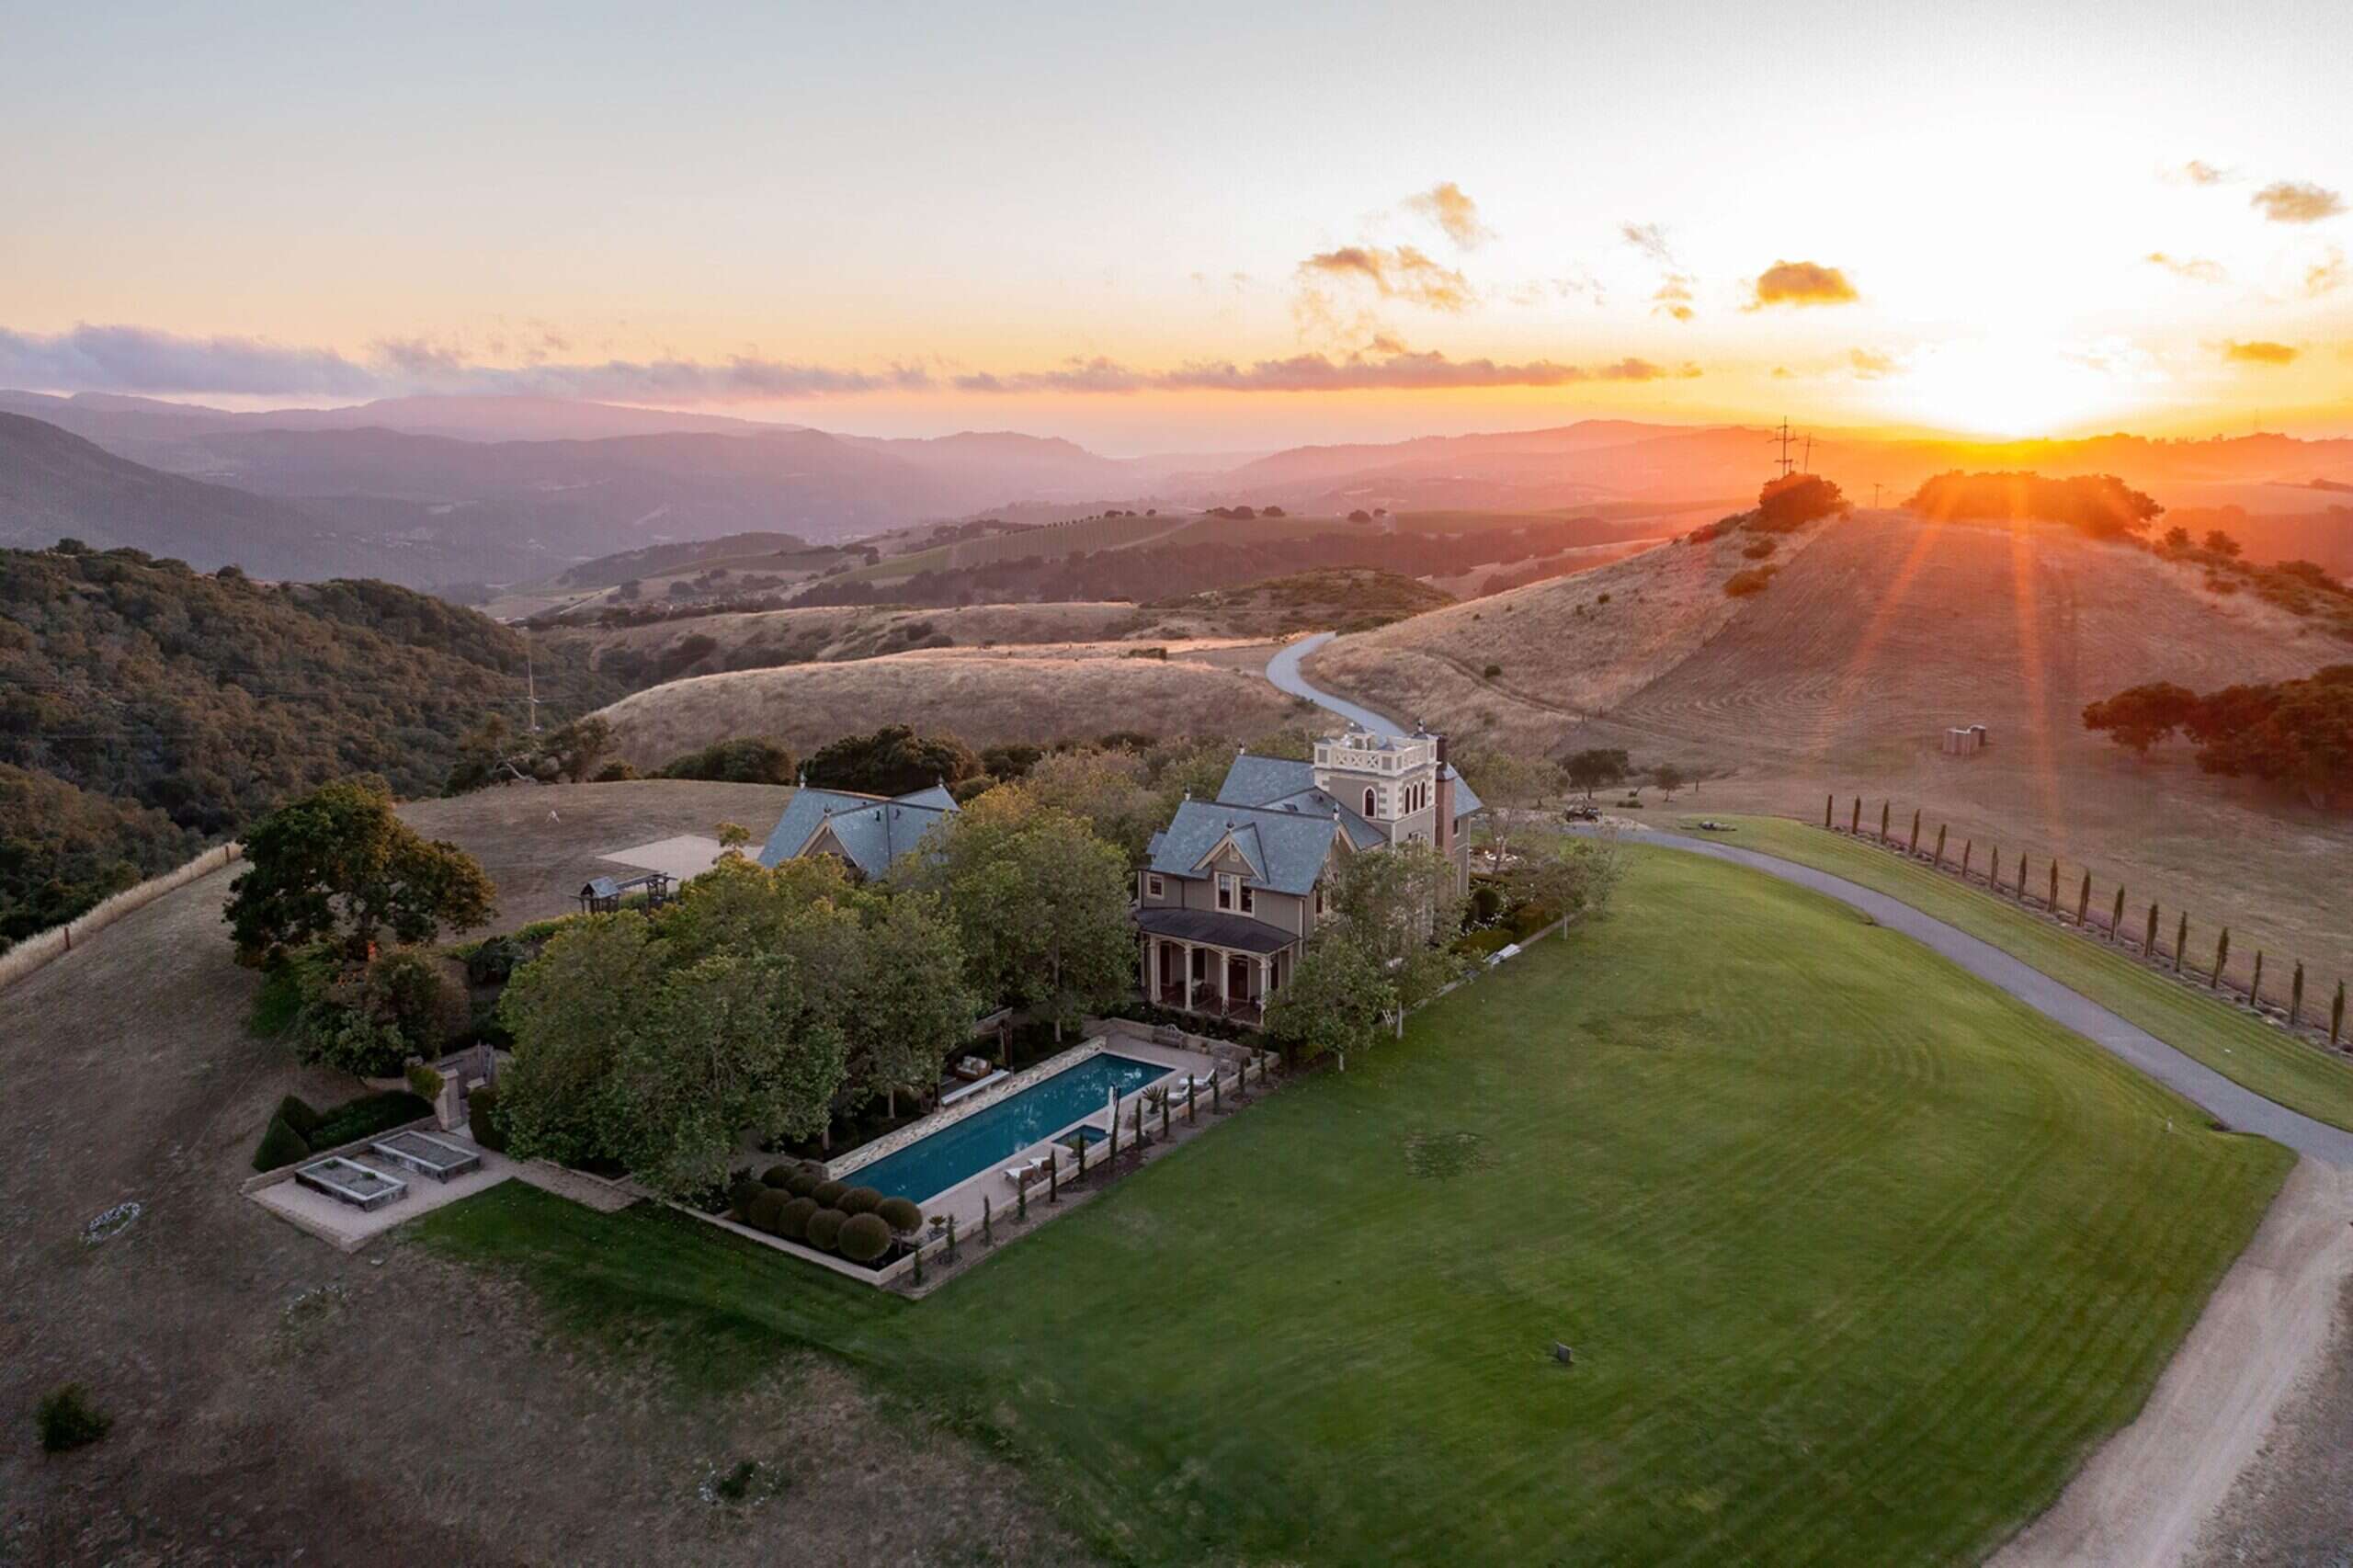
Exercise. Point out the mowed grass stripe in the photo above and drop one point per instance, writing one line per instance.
(1860, 1258)
(2270, 1062)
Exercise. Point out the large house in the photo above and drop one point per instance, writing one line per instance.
(866, 832)
(1234, 886)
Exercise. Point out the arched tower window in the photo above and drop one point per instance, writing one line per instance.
(1370, 803)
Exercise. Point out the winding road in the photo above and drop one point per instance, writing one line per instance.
(2235, 1106)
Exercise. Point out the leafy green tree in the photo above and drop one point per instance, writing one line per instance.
(731, 1044)
(1402, 905)
(1508, 782)
(894, 760)
(1106, 789)
(748, 759)
(1668, 777)
(1567, 876)
(909, 1006)
(2142, 716)
(1041, 901)
(338, 865)
(1598, 768)
(573, 1011)
(1334, 1002)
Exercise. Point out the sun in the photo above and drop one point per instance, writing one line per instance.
(2007, 387)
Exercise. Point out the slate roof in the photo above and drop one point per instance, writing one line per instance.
(873, 831)
(1270, 780)
(1286, 848)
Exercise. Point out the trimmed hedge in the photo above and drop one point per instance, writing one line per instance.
(902, 1214)
(864, 1238)
(297, 1114)
(766, 1211)
(483, 1120)
(825, 1228)
(367, 1115)
(805, 1183)
(860, 1201)
(740, 1194)
(280, 1145)
(828, 1194)
(797, 1213)
(779, 1176)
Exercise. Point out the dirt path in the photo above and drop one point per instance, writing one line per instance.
(2143, 1500)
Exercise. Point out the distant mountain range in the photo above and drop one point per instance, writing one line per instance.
(438, 492)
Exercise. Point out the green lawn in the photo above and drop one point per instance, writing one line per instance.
(1859, 1258)
(2266, 1060)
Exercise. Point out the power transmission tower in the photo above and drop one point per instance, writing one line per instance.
(1783, 437)
(1809, 454)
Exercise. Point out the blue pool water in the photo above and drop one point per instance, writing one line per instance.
(931, 1166)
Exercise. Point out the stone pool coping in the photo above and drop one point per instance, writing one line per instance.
(948, 1115)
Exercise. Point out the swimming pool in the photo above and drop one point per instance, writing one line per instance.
(956, 1153)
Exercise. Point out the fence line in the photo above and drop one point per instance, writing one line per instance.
(43, 946)
(2071, 901)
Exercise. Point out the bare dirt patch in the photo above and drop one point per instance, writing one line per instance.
(274, 1399)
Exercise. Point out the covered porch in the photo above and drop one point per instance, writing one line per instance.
(1206, 961)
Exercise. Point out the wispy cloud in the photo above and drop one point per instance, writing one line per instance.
(2199, 172)
(2295, 201)
(2259, 352)
(2195, 268)
(1391, 366)
(1869, 365)
(1445, 205)
(2326, 275)
(139, 359)
(1673, 298)
(1404, 273)
(1802, 283)
(1650, 239)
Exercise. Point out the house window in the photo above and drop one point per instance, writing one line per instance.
(1153, 886)
(1224, 890)
(1249, 903)
(1371, 803)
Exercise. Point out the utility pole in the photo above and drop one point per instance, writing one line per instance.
(1809, 452)
(532, 686)
(1874, 496)
(1785, 439)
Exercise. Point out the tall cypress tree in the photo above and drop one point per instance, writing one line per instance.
(1828, 802)
(2181, 941)
(1916, 831)
(2149, 942)
(2296, 995)
(2116, 920)
(2221, 957)
(1883, 808)
(1940, 847)
(2337, 1013)
(2254, 997)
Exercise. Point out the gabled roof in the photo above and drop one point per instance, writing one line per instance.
(872, 830)
(1291, 847)
(1257, 780)
(1361, 834)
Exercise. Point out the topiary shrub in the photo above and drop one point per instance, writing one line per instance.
(825, 1228)
(860, 1201)
(66, 1419)
(797, 1212)
(297, 1114)
(280, 1145)
(828, 1194)
(366, 1116)
(901, 1215)
(805, 1182)
(424, 1081)
(740, 1194)
(779, 1176)
(766, 1211)
(864, 1238)
(484, 1119)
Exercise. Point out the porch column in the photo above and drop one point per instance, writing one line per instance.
(1185, 979)
(1147, 945)
(1266, 979)
(1224, 980)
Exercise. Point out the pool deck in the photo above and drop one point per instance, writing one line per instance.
(347, 1229)
(963, 1200)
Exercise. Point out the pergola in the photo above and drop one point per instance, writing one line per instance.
(1171, 938)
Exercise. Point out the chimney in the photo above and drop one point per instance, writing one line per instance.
(1443, 833)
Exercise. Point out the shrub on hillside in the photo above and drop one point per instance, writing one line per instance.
(1791, 502)
(614, 773)
(826, 1229)
(280, 1145)
(1753, 580)
(864, 1238)
(894, 760)
(746, 760)
(484, 1119)
(860, 1201)
(901, 1214)
(67, 1420)
(794, 1217)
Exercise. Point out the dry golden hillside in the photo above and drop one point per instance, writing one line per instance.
(1036, 694)
(1879, 632)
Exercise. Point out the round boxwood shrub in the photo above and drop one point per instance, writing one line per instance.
(765, 1212)
(860, 1201)
(740, 1194)
(828, 1194)
(864, 1238)
(825, 1228)
(781, 1175)
(805, 1183)
(901, 1214)
(797, 1211)
(280, 1145)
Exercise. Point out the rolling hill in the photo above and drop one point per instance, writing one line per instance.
(1878, 632)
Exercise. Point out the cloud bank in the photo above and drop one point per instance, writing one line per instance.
(1803, 283)
(1392, 368)
(2294, 201)
(1404, 274)
(1453, 211)
(2259, 352)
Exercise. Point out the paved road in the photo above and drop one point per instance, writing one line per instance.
(1283, 670)
(2235, 1106)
